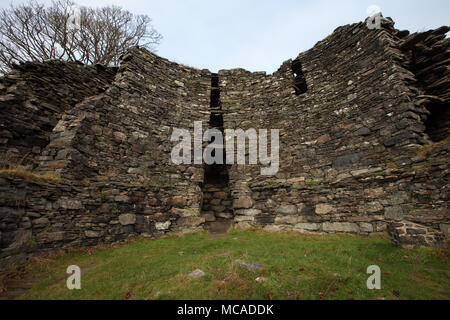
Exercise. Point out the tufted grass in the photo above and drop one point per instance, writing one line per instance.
(297, 267)
(28, 175)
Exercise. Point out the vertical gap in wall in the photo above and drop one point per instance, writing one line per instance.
(299, 81)
(217, 203)
(438, 122)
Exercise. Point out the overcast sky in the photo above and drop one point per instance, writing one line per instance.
(259, 35)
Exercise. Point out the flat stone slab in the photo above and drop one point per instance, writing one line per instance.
(225, 254)
(251, 266)
(196, 274)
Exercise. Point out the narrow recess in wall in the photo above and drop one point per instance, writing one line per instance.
(299, 81)
(438, 122)
(217, 202)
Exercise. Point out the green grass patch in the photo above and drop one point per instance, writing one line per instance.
(296, 267)
(426, 149)
(30, 175)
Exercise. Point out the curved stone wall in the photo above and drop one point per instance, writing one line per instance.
(348, 145)
(355, 155)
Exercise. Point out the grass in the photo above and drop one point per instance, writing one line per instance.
(296, 267)
(425, 150)
(30, 175)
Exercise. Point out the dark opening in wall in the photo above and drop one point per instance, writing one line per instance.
(299, 81)
(217, 203)
(438, 122)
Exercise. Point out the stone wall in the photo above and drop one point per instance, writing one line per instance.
(355, 153)
(409, 235)
(217, 203)
(429, 61)
(33, 98)
(112, 152)
(348, 145)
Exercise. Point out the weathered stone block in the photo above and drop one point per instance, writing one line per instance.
(394, 213)
(220, 195)
(323, 208)
(127, 219)
(307, 226)
(224, 215)
(48, 237)
(21, 238)
(445, 229)
(366, 227)
(162, 225)
(346, 160)
(93, 234)
(187, 222)
(340, 227)
(288, 219)
(179, 201)
(70, 204)
(209, 217)
(122, 198)
(243, 202)
(40, 222)
(374, 207)
(248, 212)
(288, 209)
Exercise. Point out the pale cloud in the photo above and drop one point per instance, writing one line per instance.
(259, 35)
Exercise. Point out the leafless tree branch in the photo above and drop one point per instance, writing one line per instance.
(33, 32)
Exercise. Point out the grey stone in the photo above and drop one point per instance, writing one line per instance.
(209, 217)
(287, 219)
(346, 160)
(224, 215)
(307, 226)
(250, 266)
(248, 212)
(394, 213)
(374, 207)
(363, 131)
(323, 208)
(445, 228)
(196, 274)
(366, 227)
(93, 234)
(287, 209)
(243, 202)
(40, 222)
(70, 204)
(21, 237)
(127, 219)
(162, 225)
(121, 198)
(340, 227)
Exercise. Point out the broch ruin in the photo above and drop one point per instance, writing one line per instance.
(364, 145)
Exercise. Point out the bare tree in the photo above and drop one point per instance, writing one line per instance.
(33, 32)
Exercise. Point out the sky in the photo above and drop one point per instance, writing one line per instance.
(258, 35)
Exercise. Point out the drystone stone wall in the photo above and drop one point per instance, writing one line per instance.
(34, 96)
(348, 143)
(217, 203)
(112, 152)
(358, 151)
(429, 61)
